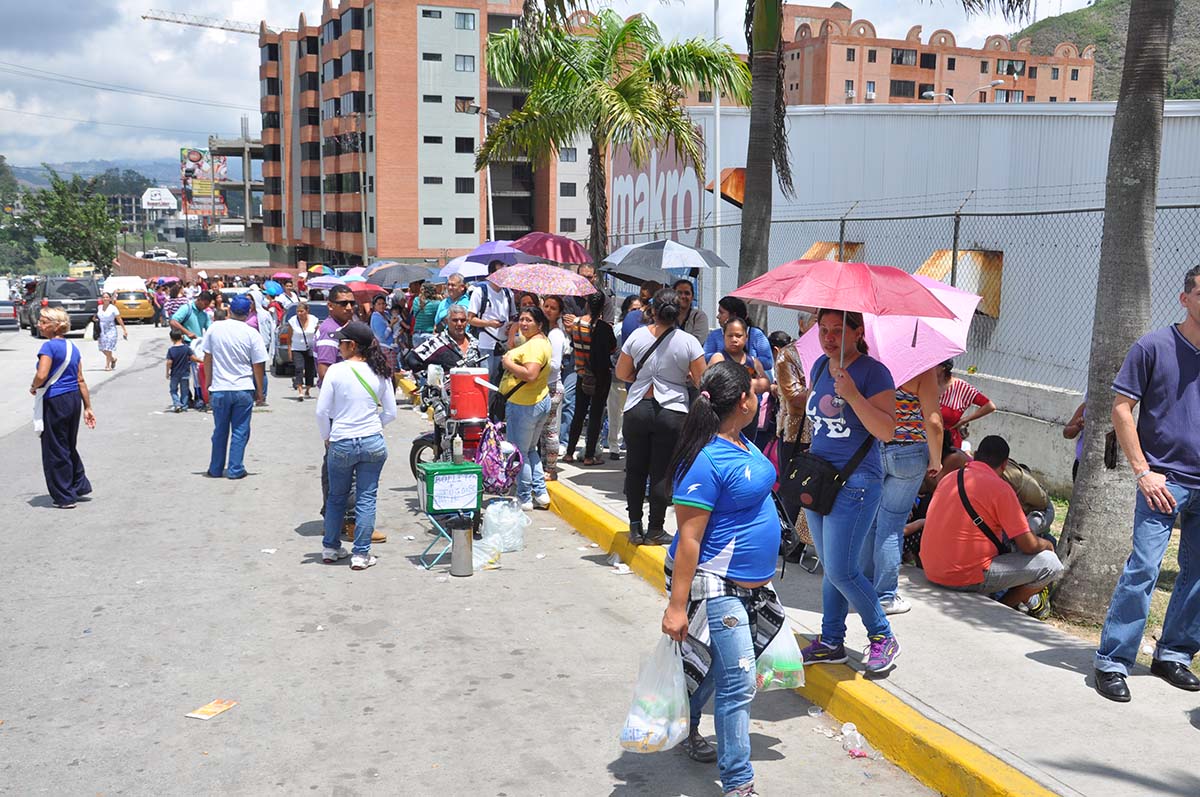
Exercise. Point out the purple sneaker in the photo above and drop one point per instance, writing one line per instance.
(882, 653)
(820, 653)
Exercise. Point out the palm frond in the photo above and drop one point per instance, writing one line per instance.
(701, 62)
(1011, 10)
(526, 132)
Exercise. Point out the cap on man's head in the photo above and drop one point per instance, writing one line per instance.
(240, 304)
(356, 331)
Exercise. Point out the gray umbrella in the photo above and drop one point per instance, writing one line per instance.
(388, 273)
(648, 261)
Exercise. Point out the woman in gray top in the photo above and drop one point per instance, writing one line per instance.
(658, 359)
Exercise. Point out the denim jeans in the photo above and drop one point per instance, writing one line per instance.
(839, 537)
(1126, 620)
(358, 460)
(569, 380)
(180, 392)
(732, 685)
(904, 468)
(524, 429)
(231, 410)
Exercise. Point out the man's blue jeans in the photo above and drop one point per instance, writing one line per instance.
(523, 430)
(839, 537)
(181, 395)
(231, 410)
(359, 460)
(1126, 620)
(569, 379)
(732, 683)
(904, 467)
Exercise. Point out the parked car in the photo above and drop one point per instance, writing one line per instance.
(283, 363)
(134, 305)
(9, 320)
(78, 296)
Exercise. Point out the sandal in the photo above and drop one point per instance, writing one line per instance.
(569, 458)
(590, 461)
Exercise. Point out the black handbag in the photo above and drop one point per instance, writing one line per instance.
(812, 483)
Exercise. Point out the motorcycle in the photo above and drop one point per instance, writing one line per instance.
(437, 444)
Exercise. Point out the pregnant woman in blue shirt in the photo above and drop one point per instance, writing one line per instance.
(720, 565)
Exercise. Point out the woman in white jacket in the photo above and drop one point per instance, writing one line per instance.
(357, 400)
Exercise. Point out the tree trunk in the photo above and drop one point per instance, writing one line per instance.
(1096, 538)
(756, 208)
(598, 199)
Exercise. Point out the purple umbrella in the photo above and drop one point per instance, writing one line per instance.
(499, 250)
(325, 282)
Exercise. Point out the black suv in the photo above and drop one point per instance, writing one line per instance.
(78, 296)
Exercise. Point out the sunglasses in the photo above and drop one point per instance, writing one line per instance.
(345, 303)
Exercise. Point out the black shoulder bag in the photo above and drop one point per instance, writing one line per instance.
(1001, 548)
(660, 340)
(813, 483)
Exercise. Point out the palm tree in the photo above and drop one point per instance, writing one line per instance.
(1096, 535)
(613, 80)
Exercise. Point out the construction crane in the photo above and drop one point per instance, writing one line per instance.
(201, 22)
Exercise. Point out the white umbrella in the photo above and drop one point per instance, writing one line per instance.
(468, 269)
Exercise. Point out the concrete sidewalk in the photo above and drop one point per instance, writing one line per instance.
(978, 686)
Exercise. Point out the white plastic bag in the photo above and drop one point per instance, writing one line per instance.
(781, 665)
(658, 716)
(485, 553)
(505, 520)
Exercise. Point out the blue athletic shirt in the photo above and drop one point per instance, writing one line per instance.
(741, 541)
(56, 350)
(837, 431)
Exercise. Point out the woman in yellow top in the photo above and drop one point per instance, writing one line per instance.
(525, 389)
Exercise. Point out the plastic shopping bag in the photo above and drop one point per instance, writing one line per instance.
(658, 716)
(485, 553)
(507, 522)
(780, 666)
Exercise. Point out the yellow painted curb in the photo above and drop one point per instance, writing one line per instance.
(930, 752)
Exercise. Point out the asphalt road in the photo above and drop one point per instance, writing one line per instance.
(157, 597)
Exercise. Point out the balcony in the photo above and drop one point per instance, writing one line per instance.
(269, 69)
(271, 135)
(272, 169)
(309, 99)
(269, 103)
(307, 63)
(495, 88)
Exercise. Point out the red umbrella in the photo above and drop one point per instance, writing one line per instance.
(852, 287)
(361, 289)
(556, 248)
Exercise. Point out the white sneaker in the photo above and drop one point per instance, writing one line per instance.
(362, 561)
(331, 555)
(542, 501)
(527, 506)
(896, 605)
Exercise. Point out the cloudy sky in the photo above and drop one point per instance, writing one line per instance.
(106, 42)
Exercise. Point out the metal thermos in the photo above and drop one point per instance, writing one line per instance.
(461, 561)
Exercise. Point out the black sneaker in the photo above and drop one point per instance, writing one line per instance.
(698, 748)
(657, 537)
(636, 536)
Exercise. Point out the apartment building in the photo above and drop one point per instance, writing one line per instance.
(834, 60)
(371, 121)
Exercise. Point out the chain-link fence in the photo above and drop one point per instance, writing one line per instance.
(1035, 270)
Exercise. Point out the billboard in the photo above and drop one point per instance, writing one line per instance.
(200, 174)
(159, 199)
(660, 199)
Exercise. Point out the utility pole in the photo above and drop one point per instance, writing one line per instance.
(362, 181)
(716, 90)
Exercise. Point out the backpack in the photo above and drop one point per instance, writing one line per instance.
(500, 470)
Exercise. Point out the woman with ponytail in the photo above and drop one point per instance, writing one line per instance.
(357, 399)
(658, 360)
(720, 565)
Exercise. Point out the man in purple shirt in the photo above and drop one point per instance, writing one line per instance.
(325, 350)
(1162, 374)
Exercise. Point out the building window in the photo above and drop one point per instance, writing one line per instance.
(310, 219)
(310, 116)
(951, 63)
(370, 143)
(904, 57)
(1009, 95)
(431, 56)
(568, 155)
(272, 185)
(704, 96)
(354, 102)
(429, 13)
(1031, 98)
(464, 185)
(371, 224)
(983, 96)
(464, 145)
(353, 61)
(270, 52)
(983, 67)
(270, 86)
(370, 103)
(870, 87)
(464, 21)
(432, 221)
(272, 218)
(370, 61)
(331, 109)
(432, 139)
(330, 31)
(1074, 74)
(1054, 73)
(370, 183)
(464, 63)
(310, 46)
(433, 181)
(850, 54)
(310, 185)
(950, 92)
(566, 225)
(1070, 99)
(929, 60)
(1054, 99)
(464, 226)
(849, 88)
(272, 152)
(463, 104)
(270, 119)
(1033, 73)
(370, 16)
(566, 189)
(432, 98)
(1010, 68)
(352, 19)
(310, 151)
(903, 88)
(871, 56)
(923, 89)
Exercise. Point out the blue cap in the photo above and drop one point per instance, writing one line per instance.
(240, 304)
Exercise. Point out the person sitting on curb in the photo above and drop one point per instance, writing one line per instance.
(971, 518)
(1035, 502)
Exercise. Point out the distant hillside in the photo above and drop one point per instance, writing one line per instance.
(1105, 24)
(160, 171)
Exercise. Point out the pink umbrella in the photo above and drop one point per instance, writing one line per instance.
(357, 271)
(909, 345)
(852, 287)
(541, 279)
(281, 275)
(556, 248)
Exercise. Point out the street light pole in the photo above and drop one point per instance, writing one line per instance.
(716, 272)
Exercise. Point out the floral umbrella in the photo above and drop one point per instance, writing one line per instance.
(541, 279)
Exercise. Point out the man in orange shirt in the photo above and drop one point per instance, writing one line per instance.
(958, 552)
